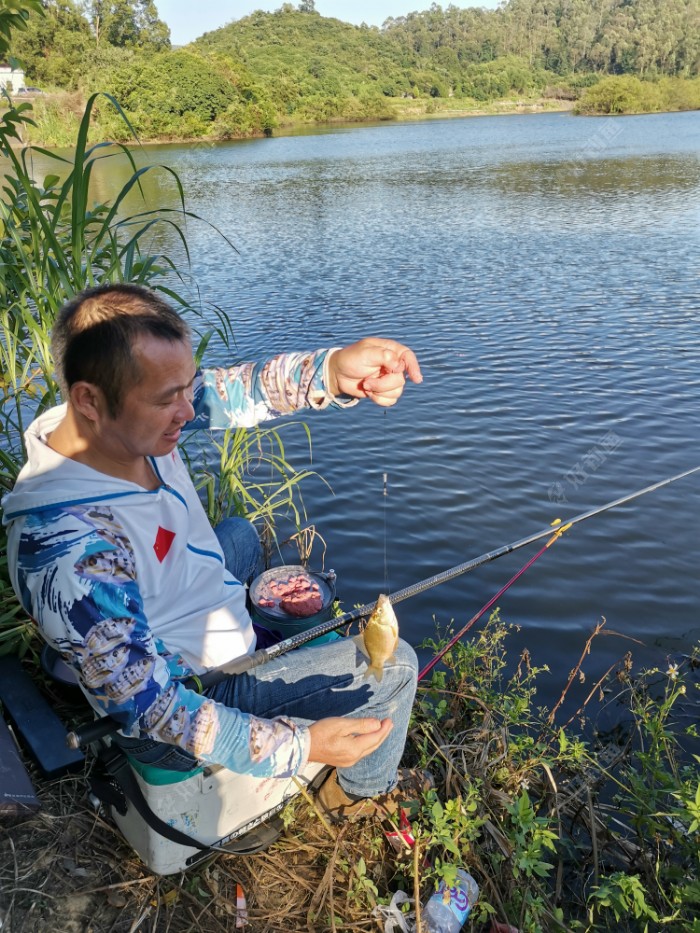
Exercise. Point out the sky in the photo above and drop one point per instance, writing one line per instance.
(188, 20)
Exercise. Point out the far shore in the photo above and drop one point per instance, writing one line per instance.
(438, 109)
(404, 112)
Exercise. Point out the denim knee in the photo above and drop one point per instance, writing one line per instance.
(407, 657)
(241, 545)
(158, 754)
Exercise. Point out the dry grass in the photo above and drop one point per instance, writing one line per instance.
(68, 870)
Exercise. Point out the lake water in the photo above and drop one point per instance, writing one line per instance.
(545, 270)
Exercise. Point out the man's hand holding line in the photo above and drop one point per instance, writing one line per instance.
(374, 368)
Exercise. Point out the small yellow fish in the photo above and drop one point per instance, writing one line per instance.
(380, 637)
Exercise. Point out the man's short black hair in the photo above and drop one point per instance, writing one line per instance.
(94, 336)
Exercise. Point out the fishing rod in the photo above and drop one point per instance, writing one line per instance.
(485, 608)
(105, 726)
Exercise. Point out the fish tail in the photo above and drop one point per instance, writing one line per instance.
(377, 670)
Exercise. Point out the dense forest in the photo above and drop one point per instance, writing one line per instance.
(271, 69)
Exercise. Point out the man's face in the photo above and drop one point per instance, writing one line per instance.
(154, 411)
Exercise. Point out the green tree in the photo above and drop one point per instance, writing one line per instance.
(167, 94)
(128, 23)
(153, 32)
(295, 64)
(623, 94)
(51, 47)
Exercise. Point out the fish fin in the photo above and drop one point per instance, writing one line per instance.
(377, 670)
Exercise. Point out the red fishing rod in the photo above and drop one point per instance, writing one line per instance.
(494, 599)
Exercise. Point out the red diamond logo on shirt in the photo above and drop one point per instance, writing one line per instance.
(162, 544)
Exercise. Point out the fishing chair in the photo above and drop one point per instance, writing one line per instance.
(175, 819)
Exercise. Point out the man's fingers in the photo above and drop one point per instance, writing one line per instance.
(389, 356)
(369, 740)
(384, 401)
(366, 725)
(400, 359)
(374, 368)
(343, 741)
(384, 390)
(412, 365)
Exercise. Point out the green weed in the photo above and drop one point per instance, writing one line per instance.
(563, 831)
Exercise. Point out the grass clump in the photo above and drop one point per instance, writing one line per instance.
(564, 826)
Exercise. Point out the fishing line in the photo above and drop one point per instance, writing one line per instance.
(105, 726)
(386, 560)
(385, 479)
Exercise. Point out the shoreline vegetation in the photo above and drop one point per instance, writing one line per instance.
(582, 818)
(56, 114)
(45, 132)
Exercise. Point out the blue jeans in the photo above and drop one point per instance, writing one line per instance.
(329, 680)
(308, 684)
(241, 546)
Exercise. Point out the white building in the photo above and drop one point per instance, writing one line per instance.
(11, 79)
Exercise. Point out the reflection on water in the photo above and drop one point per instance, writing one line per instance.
(545, 270)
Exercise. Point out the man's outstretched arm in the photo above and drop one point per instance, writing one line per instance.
(250, 393)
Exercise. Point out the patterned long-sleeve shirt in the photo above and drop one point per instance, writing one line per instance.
(130, 586)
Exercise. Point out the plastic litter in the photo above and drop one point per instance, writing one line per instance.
(448, 909)
(241, 908)
(402, 839)
(394, 919)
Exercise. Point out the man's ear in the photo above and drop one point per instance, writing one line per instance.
(88, 400)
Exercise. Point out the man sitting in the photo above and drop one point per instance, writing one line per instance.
(111, 552)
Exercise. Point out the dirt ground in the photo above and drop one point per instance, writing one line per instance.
(67, 869)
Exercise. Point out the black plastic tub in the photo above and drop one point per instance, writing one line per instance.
(275, 618)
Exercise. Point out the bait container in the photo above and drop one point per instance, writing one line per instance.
(274, 618)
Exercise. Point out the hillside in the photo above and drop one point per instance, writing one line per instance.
(307, 64)
(293, 66)
(318, 67)
(323, 53)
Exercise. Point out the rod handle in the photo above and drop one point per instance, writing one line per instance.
(91, 732)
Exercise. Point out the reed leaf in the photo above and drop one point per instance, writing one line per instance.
(235, 489)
